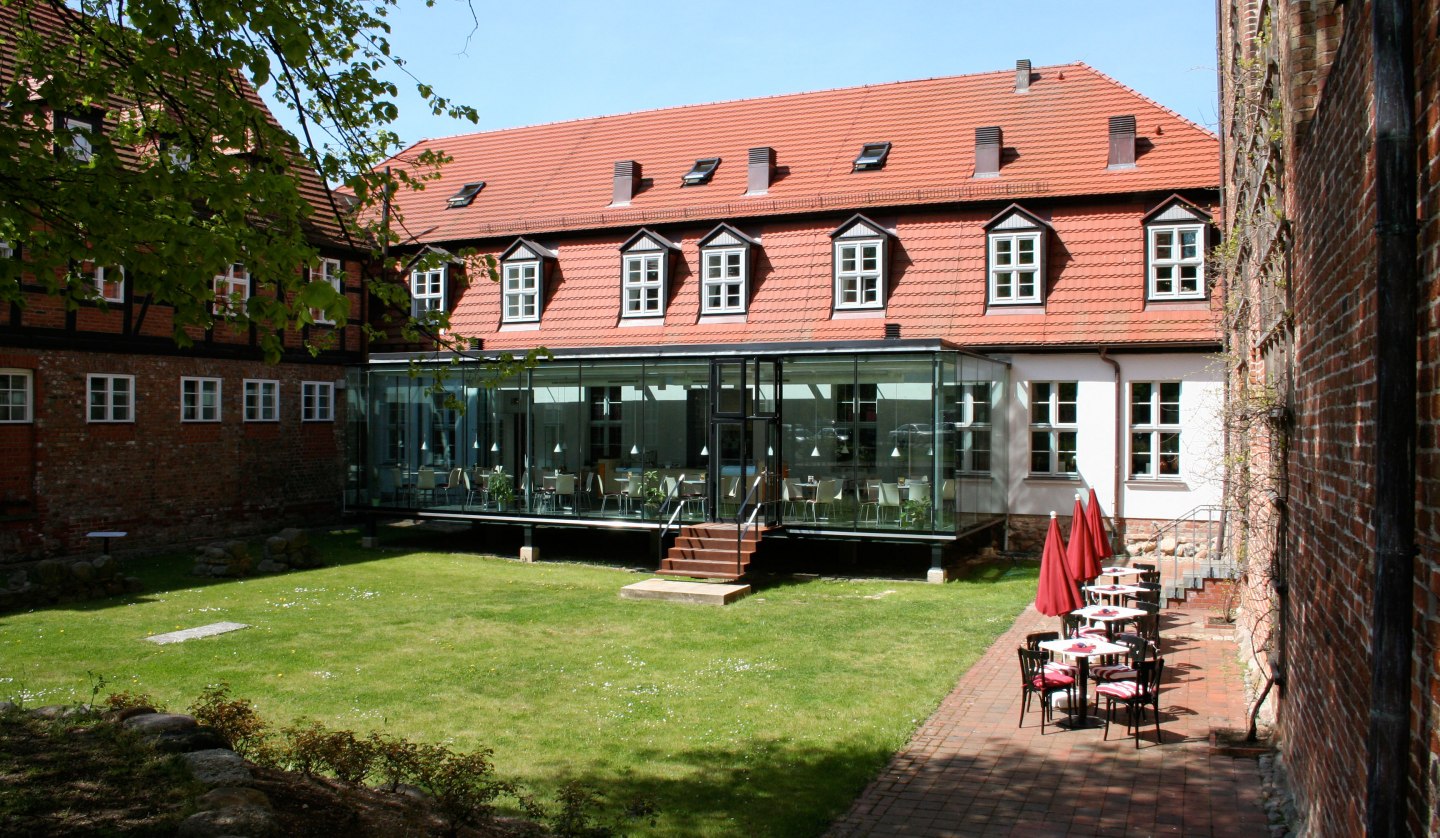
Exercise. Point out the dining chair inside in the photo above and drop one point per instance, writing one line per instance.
(826, 493)
(889, 499)
(1136, 695)
(619, 495)
(425, 484)
(454, 482)
(1036, 680)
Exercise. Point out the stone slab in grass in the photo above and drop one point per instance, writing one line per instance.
(191, 634)
(701, 593)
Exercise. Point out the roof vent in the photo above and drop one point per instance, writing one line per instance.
(1022, 75)
(703, 171)
(872, 156)
(987, 151)
(627, 183)
(465, 196)
(1122, 142)
(892, 331)
(761, 171)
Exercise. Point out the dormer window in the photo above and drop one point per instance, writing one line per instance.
(644, 274)
(7, 250)
(465, 196)
(75, 136)
(427, 291)
(725, 258)
(1175, 251)
(861, 254)
(703, 171)
(331, 274)
(872, 156)
(1015, 258)
(522, 279)
(232, 288)
(109, 283)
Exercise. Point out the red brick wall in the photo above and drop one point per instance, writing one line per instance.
(159, 479)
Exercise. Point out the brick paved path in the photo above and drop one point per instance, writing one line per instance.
(970, 771)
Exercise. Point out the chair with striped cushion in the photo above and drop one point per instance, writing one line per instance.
(1140, 650)
(1035, 680)
(1033, 641)
(1075, 626)
(1136, 695)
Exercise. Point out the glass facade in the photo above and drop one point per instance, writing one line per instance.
(836, 442)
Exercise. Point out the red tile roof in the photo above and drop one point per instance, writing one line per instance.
(555, 177)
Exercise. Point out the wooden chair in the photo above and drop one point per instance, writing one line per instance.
(1035, 680)
(1148, 627)
(1140, 651)
(1033, 641)
(1136, 695)
(1076, 626)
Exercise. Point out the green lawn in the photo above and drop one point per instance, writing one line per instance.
(761, 718)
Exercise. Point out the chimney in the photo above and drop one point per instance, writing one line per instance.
(627, 182)
(762, 169)
(987, 151)
(1122, 142)
(1022, 75)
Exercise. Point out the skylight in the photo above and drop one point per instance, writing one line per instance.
(466, 194)
(703, 171)
(872, 156)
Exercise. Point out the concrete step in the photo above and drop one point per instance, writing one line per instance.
(671, 590)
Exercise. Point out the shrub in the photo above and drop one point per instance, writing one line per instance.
(125, 700)
(236, 720)
(312, 748)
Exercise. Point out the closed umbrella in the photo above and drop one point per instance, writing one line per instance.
(1096, 525)
(1056, 594)
(1080, 553)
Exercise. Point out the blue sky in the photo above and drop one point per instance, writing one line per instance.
(551, 60)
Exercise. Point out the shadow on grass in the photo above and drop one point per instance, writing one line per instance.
(769, 787)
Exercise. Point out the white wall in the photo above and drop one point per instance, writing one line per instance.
(1096, 452)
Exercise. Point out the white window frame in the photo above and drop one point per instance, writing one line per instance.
(721, 291)
(856, 285)
(330, 271)
(427, 290)
(98, 277)
(102, 405)
(1056, 420)
(7, 250)
(71, 137)
(1150, 431)
(232, 289)
(199, 399)
(317, 401)
(520, 301)
(642, 284)
(1009, 293)
(975, 424)
(262, 400)
(10, 412)
(1169, 270)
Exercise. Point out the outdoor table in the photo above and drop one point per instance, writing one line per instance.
(1113, 591)
(1117, 573)
(1082, 650)
(1108, 614)
(106, 535)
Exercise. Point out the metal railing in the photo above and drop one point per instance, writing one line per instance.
(742, 524)
(679, 508)
(1203, 526)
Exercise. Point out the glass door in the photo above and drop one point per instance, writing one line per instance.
(744, 444)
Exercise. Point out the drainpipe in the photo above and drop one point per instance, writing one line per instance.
(1117, 500)
(1392, 637)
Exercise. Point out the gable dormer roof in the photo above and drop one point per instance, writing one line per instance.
(726, 236)
(858, 226)
(1016, 217)
(1176, 209)
(646, 239)
(523, 248)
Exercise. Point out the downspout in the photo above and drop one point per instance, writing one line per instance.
(1392, 638)
(1117, 498)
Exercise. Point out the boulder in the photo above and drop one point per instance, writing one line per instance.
(161, 723)
(82, 571)
(118, 716)
(185, 742)
(226, 796)
(1167, 546)
(217, 767)
(250, 821)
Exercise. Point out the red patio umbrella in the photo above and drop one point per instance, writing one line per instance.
(1056, 594)
(1080, 554)
(1096, 524)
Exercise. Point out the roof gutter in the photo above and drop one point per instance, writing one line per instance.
(1117, 500)
(1392, 606)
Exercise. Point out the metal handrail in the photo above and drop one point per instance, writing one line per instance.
(741, 527)
(1214, 516)
(660, 542)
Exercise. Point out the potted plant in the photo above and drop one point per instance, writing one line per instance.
(652, 494)
(502, 491)
(914, 514)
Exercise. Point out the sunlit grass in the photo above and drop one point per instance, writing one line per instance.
(761, 718)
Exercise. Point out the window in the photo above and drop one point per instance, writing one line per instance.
(317, 401)
(465, 196)
(330, 272)
(859, 279)
(872, 156)
(974, 428)
(7, 250)
(724, 280)
(1155, 429)
(109, 283)
(110, 398)
(643, 285)
(1015, 267)
(856, 402)
(15, 398)
(702, 172)
(232, 288)
(427, 291)
(262, 400)
(1177, 262)
(606, 412)
(522, 291)
(74, 135)
(199, 400)
(1054, 420)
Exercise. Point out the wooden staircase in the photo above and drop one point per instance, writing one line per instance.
(707, 551)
